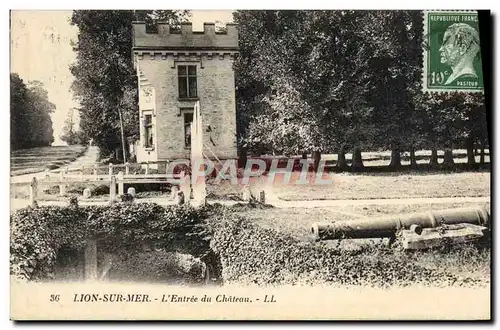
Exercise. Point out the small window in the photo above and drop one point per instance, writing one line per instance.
(148, 131)
(188, 119)
(187, 81)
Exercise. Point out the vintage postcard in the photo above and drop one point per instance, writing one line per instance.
(249, 165)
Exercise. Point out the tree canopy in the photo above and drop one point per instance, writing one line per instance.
(325, 81)
(30, 110)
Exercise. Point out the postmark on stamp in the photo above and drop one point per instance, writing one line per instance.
(452, 57)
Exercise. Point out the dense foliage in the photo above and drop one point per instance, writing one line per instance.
(70, 134)
(38, 233)
(330, 81)
(235, 249)
(251, 254)
(30, 109)
(105, 82)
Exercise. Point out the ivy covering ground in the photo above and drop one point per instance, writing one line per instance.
(235, 249)
(38, 233)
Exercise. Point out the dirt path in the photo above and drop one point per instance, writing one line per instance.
(88, 159)
(385, 201)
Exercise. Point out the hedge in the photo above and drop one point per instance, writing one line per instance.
(122, 228)
(251, 254)
(235, 249)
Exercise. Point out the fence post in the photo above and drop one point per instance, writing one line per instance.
(112, 189)
(186, 188)
(47, 174)
(147, 168)
(127, 169)
(95, 171)
(81, 175)
(33, 191)
(110, 171)
(262, 196)
(120, 183)
(62, 186)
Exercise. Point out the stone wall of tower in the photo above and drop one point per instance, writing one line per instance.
(157, 59)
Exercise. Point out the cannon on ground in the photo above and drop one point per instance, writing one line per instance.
(418, 230)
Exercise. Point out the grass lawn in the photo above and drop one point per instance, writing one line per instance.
(467, 261)
(347, 186)
(297, 221)
(34, 160)
(375, 186)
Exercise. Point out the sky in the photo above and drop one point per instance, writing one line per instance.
(41, 50)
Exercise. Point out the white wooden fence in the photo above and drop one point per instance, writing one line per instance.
(68, 176)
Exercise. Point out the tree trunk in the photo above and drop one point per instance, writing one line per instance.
(316, 155)
(341, 161)
(470, 151)
(413, 158)
(481, 159)
(395, 158)
(448, 157)
(357, 160)
(434, 157)
(243, 158)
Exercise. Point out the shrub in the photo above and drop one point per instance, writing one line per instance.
(251, 254)
(122, 228)
(99, 190)
(52, 166)
(235, 249)
(126, 198)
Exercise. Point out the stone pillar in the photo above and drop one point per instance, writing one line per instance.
(62, 186)
(262, 196)
(198, 183)
(33, 191)
(247, 195)
(173, 192)
(120, 183)
(179, 198)
(127, 168)
(91, 260)
(112, 189)
(110, 171)
(87, 193)
(186, 188)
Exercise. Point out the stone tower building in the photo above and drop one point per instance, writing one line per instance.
(175, 69)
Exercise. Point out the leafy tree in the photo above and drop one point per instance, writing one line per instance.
(323, 81)
(300, 74)
(18, 112)
(69, 133)
(455, 120)
(31, 124)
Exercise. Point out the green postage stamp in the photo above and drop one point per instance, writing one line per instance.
(452, 56)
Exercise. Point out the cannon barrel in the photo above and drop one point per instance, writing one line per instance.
(387, 226)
